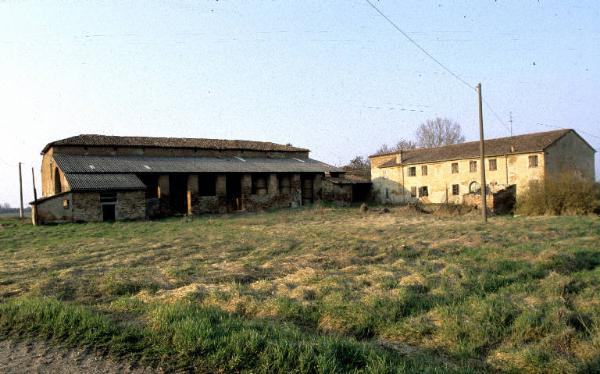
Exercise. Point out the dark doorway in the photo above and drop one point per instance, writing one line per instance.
(234, 191)
(108, 212)
(178, 193)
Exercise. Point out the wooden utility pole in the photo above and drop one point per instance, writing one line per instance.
(482, 151)
(21, 193)
(34, 209)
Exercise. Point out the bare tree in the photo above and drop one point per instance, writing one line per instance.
(402, 145)
(438, 132)
(359, 166)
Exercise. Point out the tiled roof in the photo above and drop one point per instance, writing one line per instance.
(97, 182)
(93, 140)
(535, 142)
(143, 164)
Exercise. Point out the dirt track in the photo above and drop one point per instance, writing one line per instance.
(39, 357)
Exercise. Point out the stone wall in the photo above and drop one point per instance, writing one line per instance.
(86, 207)
(570, 154)
(131, 205)
(337, 193)
(54, 209)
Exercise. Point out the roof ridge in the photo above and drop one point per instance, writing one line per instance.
(172, 142)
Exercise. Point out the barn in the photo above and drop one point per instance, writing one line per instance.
(91, 178)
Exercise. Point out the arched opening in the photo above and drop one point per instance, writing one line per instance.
(474, 187)
(57, 183)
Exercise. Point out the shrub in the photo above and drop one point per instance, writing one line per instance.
(568, 194)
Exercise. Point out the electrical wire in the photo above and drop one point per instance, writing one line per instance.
(456, 76)
(421, 48)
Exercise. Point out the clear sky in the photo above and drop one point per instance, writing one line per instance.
(332, 76)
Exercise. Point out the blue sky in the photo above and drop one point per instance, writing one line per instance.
(332, 76)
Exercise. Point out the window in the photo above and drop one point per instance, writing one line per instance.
(472, 166)
(413, 192)
(207, 185)
(423, 191)
(57, 184)
(533, 161)
(455, 189)
(412, 171)
(424, 170)
(455, 168)
(493, 165)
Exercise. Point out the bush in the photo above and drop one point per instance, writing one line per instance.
(569, 194)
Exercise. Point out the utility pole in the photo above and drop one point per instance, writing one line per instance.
(21, 193)
(511, 123)
(34, 209)
(482, 151)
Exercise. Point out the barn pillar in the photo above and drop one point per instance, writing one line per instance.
(273, 185)
(221, 192)
(192, 194)
(296, 190)
(163, 187)
(246, 189)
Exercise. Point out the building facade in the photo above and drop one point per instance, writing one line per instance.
(94, 178)
(452, 173)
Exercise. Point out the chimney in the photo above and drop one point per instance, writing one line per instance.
(399, 157)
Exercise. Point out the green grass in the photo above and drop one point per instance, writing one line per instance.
(314, 290)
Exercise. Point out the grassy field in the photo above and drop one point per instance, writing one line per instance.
(315, 290)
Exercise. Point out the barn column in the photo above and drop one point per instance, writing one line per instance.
(273, 185)
(221, 192)
(246, 190)
(192, 194)
(163, 187)
(296, 190)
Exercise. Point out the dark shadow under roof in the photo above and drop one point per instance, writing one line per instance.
(142, 164)
(535, 142)
(94, 140)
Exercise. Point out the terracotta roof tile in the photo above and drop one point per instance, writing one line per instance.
(534, 142)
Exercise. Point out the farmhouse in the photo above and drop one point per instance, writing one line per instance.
(452, 173)
(105, 178)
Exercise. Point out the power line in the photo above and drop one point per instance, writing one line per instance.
(421, 48)
(438, 62)
(559, 127)
(497, 116)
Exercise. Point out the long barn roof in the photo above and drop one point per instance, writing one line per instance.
(94, 140)
(143, 164)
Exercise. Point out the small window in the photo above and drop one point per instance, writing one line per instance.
(533, 161)
(66, 203)
(493, 165)
(413, 192)
(455, 189)
(423, 191)
(207, 185)
(424, 170)
(412, 171)
(455, 168)
(472, 166)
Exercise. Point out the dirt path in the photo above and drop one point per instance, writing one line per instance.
(39, 357)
